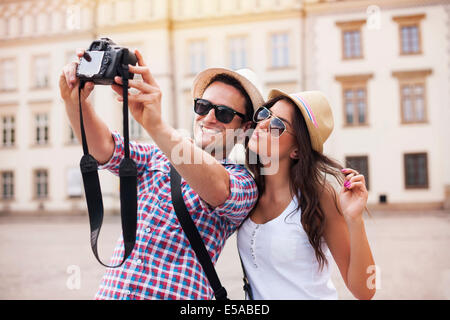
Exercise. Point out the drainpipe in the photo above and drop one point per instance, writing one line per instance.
(172, 68)
(303, 48)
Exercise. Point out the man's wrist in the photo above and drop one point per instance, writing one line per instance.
(154, 128)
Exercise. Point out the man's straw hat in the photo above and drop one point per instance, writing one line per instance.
(246, 77)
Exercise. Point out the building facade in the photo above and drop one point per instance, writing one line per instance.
(384, 66)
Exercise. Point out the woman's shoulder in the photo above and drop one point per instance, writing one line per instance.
(329, 201)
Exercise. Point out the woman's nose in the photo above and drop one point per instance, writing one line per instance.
(264, 125)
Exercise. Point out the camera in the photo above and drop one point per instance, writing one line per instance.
(103, 61)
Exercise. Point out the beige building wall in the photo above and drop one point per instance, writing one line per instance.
(167, 32)
(385, 139)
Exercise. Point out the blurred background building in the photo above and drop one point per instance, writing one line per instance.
(383, 64)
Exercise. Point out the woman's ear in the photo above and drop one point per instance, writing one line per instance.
(294, 154)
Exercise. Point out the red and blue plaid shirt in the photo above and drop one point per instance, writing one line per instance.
(163, 265)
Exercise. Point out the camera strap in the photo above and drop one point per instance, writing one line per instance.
(128, 183)
(194, 237)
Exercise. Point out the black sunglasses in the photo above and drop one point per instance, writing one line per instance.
(223, 113)
(276, 125)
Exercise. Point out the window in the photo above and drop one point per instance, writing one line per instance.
(41, 126)
(135, 128)
(7, 185)
(360, 164)
(4, 26)
(355, 105)
(197, 56)
(8, 75)
(352, 44)
(416, 170)
(237, 52)
(412, 86)
(72, 137)
(412, 100)
(8, 131)
(74, 183)
(410, 39)
(41, 183)
(409, 33)
(41, 72)
(279, 50)
(354, 99)
(351, 39)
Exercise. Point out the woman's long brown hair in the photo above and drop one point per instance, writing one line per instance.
(308, 180)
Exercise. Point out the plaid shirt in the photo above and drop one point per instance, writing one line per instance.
(163, 265)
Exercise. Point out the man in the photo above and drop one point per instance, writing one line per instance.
(218, 194)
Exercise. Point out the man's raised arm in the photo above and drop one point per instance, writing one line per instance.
(98, 135)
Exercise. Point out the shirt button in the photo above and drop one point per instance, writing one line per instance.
(138, 261)
(148, 230)
(128, 292)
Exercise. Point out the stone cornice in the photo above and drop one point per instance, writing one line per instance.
(340, 7)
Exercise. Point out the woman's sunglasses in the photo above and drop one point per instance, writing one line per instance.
(276, 125)
(223, 113)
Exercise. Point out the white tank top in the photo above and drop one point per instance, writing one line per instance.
(280, 262)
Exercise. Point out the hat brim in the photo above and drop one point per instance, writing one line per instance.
(203, 79)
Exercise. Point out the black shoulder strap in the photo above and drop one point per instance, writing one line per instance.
(193, 235)
(128, 185)
(247, 287)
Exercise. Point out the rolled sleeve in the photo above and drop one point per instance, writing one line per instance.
(243, 195)
(141, 153)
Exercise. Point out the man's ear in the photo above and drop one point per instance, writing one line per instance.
(245, 133)
(247, 125)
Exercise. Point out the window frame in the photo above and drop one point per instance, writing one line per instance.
(14, 81)
(12, 195)
(412, 187)
(34, 82)
(408, 21)
(245, 48)
(35, 127)
(359, 158)
(353, 82)
(13, 134)
(351, 26)
(190, 71)
(290, 54)
(35, 184)
(412, 78)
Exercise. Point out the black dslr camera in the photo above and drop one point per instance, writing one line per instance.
(103, 61)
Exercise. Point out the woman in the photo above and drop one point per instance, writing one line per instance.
(300, 220)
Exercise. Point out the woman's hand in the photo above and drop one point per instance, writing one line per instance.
(353, 195)
(145, 105)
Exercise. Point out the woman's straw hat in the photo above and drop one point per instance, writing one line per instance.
(317, 112)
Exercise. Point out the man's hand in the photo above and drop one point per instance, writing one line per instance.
(145, 105)
(68, 83)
